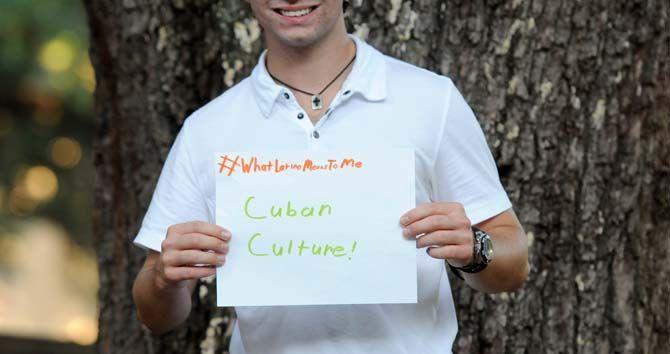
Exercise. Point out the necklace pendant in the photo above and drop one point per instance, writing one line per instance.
(317, 102)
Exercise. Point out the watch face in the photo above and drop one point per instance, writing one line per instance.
(487, 249)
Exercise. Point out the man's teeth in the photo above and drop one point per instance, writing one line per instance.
(302, 12)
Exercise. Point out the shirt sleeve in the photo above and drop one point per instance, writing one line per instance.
(176, 199)
(465, 171)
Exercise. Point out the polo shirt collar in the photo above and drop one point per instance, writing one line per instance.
(367, 77)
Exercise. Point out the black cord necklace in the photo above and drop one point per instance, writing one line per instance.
(317, 101)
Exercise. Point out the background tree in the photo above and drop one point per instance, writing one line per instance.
(574, 97)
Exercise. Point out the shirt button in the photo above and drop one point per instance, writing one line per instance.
(286, 95)
(300, 115)
(347, 92)
(315, 134)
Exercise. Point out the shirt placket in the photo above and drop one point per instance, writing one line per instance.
(314, 133)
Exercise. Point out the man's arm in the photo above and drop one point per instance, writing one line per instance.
(160, 308)
(163, 287)
(508, 269)
(446, 231)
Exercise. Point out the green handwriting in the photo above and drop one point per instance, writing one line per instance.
(288, 210)
(302, 248)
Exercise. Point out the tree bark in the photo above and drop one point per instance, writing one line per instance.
(573, 96)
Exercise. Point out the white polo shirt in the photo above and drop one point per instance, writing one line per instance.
(384, 102)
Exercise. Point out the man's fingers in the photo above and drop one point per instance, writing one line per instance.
(191, 257)
(428, 209)
(200, 242)
(459, 253)
(440, 238)
(200, 227)
(436, 222)
(175, 274)
(428, 224)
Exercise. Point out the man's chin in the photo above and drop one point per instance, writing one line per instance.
(297, 40)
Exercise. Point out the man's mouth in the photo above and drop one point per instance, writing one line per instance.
(295, 13)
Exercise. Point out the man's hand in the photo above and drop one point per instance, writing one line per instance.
(190, 250)
(448, 235)
(163, 287)
(445, 228)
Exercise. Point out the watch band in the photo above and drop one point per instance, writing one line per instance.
(479, 262)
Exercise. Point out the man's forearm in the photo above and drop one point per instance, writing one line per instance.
(508, 269)
(160, 309)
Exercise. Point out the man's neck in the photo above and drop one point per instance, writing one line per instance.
(312, 67)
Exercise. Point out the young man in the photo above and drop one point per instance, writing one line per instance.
(316, 86)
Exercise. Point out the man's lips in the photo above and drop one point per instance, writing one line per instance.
(295, 8)
(296, 19)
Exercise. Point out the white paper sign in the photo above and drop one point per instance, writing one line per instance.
(315, 227)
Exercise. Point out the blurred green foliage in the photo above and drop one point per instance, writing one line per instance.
(46, 115)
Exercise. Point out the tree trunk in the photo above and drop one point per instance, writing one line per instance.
(574, 97)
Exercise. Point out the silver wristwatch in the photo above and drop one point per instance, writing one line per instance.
(482, 253)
